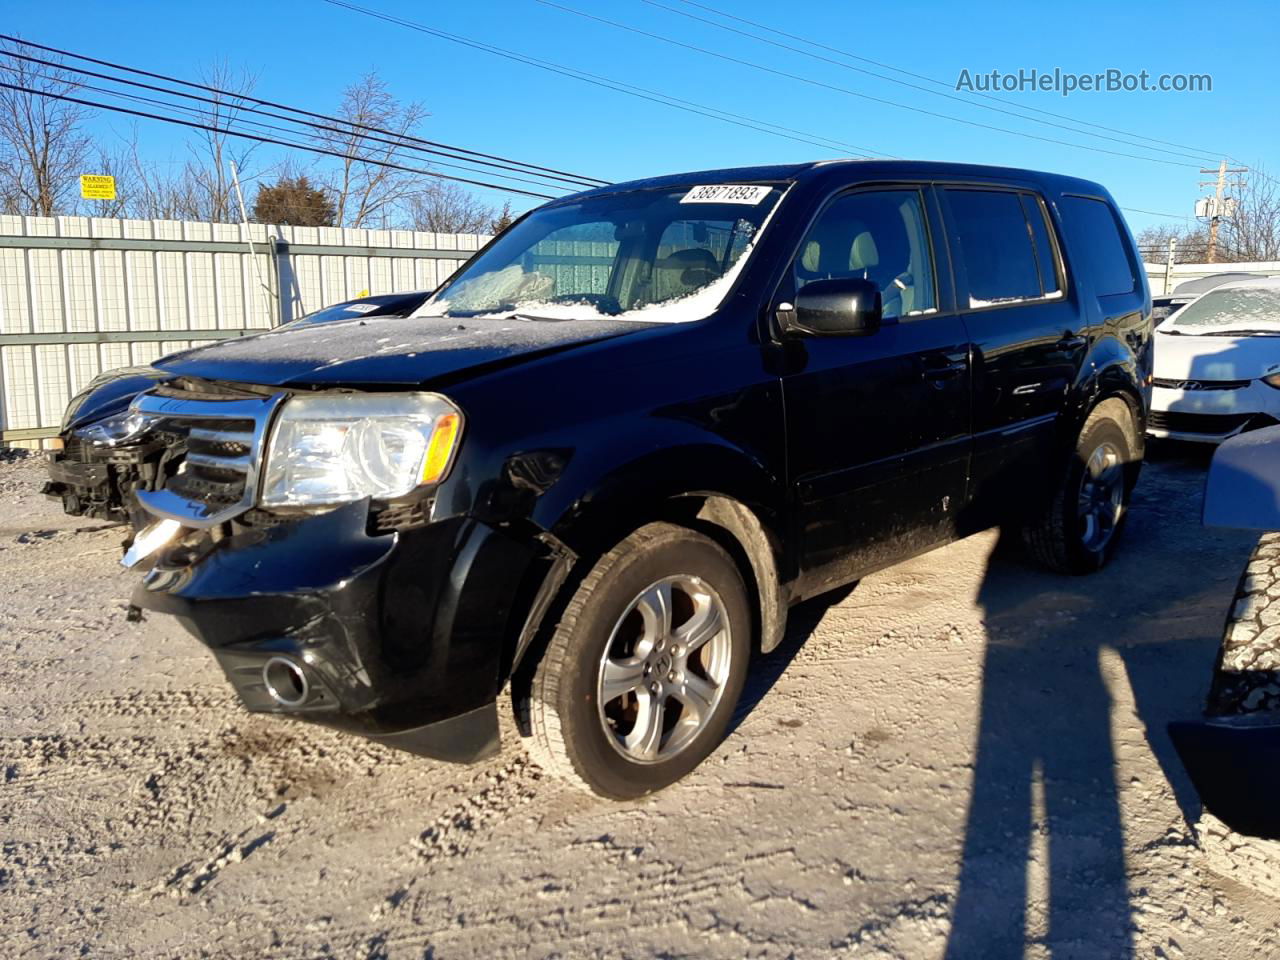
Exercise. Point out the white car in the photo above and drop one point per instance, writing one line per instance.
(1217, 364)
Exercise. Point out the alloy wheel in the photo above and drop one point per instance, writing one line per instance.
(664, 669)
(1101, 501)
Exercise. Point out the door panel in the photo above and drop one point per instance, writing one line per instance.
(879, 446)
(1029, 342)
(877, 426)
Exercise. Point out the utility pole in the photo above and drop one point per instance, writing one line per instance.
(1216, 209)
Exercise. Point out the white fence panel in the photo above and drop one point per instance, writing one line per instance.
(81, 295)
(1191, 271)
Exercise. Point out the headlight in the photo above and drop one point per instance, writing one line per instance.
(114, 430)
(1272, 380)
(336, 448)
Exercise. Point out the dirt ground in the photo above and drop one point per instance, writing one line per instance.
(962, 757)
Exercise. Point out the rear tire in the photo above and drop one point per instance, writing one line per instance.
(640, 678)
(1078, 531)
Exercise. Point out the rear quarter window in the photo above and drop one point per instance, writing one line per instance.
(1098, 243)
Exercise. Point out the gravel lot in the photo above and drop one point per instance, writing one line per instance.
(962, 756)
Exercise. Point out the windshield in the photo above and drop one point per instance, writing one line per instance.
(1236, 309)
(662, 255)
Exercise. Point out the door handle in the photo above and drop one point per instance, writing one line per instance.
(948, 370)
(1072, 341)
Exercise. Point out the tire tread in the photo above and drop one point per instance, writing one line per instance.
(546, 742)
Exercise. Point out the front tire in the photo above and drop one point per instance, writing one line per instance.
(640, 678)
(1078, 531)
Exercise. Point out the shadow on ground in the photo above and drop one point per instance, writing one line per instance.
(1045, 763)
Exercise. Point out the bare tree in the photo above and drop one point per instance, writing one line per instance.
(1252, 232)
(199, 187)
(444, 207)
(364, 193)
(203, 191)
(43, 151)
(1191, 244)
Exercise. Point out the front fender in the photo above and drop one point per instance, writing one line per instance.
(616, 489)
(109, 393)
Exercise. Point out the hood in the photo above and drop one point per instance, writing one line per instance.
(1189, 357)
(407, 351)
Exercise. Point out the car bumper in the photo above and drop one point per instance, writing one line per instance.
(403, 637)
(1211, 416)
(1234, 763)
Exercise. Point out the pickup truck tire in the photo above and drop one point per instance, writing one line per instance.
(640, 678)
(1079, 529)
(1246, 682)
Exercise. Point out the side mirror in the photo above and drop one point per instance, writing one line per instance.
(844, 307)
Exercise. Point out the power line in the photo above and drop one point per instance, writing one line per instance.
(845, 90)
(915, 86)
(934, 80)
(260, 139)
(1152, 213)
(244, 97)
(618, 86)
(330, 135)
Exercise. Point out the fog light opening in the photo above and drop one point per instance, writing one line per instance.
(285, 681)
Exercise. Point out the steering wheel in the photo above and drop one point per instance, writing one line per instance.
(601, 301)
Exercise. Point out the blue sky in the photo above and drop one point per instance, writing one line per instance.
(306, 51)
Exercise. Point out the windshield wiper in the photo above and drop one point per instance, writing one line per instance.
(535, 317)
(1242, 333)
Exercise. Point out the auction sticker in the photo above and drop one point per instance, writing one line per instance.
(727, 193)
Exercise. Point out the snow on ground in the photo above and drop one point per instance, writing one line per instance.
(961, 757)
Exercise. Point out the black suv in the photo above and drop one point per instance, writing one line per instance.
(605, 458)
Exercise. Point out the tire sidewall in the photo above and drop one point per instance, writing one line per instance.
(599, 762)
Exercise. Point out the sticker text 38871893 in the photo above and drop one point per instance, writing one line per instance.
(747, 193)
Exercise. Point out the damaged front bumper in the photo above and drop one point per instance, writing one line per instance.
(101, 482)
(403, 637)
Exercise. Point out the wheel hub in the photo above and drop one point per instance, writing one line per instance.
(1100, 505)
(663, 671)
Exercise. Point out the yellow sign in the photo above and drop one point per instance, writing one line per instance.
(97, 186)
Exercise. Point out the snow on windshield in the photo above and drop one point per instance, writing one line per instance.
(526, 293)
(651, 256)
(1234, 308)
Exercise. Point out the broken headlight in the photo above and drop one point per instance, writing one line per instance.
(114, 430)
(336, 448)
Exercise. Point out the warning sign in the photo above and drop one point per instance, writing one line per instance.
(97, 186)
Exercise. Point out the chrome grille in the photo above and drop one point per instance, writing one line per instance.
(1200, 384)
(214, 450)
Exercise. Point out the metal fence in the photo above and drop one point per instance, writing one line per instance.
(1162, 283)
(79, 295)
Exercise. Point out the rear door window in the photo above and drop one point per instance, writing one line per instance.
(1046, 257)
(1095, 234)
(996, 242)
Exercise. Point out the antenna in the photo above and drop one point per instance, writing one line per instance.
(269, 296)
